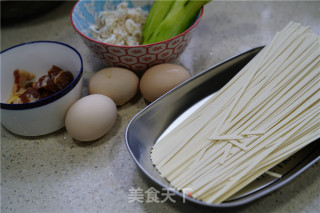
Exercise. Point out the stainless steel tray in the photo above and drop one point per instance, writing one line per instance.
(148, 125)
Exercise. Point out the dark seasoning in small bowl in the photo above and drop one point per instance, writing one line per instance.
(45, 115)
(26, 90)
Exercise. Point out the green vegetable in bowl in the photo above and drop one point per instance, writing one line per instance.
(157, 14)
(167, 19)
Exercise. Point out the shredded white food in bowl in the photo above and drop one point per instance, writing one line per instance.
(122, 26)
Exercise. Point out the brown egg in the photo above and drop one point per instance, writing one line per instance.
(119, 84)
(91, 117)
(161, 78)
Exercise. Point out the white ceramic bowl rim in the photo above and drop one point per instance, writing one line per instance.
(53, 97)
(133, 46)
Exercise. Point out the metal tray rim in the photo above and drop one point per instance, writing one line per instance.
(235, 203)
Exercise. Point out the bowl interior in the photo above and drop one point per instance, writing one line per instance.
(37, 58)
(84, 12)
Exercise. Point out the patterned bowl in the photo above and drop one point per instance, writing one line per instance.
(136, 58)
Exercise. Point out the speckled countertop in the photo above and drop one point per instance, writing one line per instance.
(53, 173)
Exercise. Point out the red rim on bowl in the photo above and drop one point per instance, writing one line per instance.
(113, 45)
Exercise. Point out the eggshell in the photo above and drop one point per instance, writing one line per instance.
(161, 78)
(120, 84)
(91, 117)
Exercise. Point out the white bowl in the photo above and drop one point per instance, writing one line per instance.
(46, 115)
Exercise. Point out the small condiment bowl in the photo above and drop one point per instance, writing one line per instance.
(136, 58)
(45, 115)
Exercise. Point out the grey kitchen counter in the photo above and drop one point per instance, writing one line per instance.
(53, 173)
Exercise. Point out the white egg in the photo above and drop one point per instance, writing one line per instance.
(91, 117)
(119, 84)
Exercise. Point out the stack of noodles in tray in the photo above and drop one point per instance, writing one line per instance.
(266, 113)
